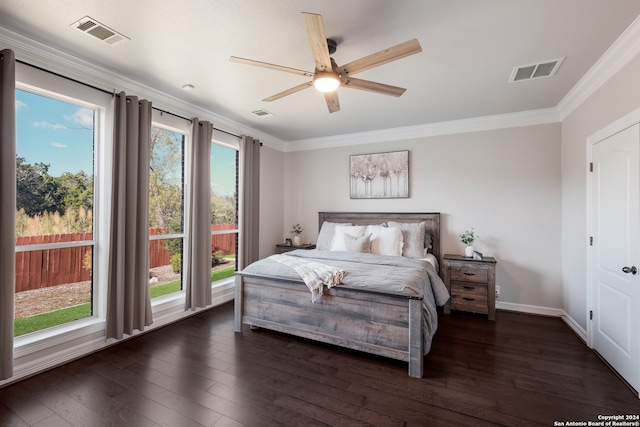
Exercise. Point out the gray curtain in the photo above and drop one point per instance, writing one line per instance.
(249, 216)
(7, 208)
(128, 300)
(198, 273)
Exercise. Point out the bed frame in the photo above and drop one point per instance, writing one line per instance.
(387, 324)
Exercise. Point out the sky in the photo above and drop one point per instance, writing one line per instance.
(61, 135)
(55, 133)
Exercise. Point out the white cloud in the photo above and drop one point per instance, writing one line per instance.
(58, 145)
(20, 106)
(83, 117)
(47, 125)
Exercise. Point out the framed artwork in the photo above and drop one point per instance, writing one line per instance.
(379, 175)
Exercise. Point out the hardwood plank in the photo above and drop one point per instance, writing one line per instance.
(520, 370)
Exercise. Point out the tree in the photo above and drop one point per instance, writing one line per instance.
(37, 191)
(77, 190)
(165, 179)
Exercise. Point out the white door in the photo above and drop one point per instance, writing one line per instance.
(616, 252)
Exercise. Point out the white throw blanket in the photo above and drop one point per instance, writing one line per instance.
(314, 274)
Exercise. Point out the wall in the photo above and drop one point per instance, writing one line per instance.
(504, 183)
(271, 199)
(617, 97)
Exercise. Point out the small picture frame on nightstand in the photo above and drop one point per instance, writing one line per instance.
(288, 242)
(477, 255)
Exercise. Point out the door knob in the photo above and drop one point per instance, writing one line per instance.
(632, 270)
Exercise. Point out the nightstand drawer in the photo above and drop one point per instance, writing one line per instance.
(469, 289)
(472, 300)
(469, 274)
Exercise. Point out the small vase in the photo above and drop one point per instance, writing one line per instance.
(296, 240)
(468, 251)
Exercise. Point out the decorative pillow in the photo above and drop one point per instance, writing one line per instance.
(325, 237)
(338, 235)
(385, 240)
(357, 244)
(413, 234)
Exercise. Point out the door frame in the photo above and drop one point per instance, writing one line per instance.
(617, 126)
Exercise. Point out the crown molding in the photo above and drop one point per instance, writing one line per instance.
(620, 53)
(49, 58)
(476, 124)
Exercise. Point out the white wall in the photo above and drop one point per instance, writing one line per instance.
(616, 98)
(271, 199)
(504, 183)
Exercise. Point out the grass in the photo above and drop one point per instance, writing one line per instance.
(46, 320)
(29, 324)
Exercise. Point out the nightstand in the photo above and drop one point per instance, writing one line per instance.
(471, 284)
(282, 247)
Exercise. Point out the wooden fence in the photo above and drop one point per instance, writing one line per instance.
(50, 267)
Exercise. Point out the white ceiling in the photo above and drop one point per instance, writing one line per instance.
(469, 49)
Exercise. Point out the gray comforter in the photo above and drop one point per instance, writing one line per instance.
(413, 277)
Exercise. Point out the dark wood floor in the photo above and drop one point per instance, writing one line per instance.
(519, 371)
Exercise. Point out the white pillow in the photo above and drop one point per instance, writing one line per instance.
(357, 244)
(385, 240)
(338, 235)
(325, 237)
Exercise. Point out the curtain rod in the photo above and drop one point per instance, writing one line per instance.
(99, 89)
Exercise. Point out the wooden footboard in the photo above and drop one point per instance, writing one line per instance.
(380, 323)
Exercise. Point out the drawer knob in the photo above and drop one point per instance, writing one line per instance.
(469, 274)
(469, 288)
(468, 299)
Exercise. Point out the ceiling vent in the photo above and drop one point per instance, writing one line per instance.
(93, 28)
(262, 113)
(536, 71)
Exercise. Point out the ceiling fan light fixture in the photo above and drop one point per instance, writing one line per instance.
(326, 81)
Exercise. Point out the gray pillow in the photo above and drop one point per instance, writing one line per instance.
(325, 237)
(357, 244)
(413, 234)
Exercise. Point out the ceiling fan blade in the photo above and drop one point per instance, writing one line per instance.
(332, 101)
(384, 56)
(271, 66)
(288, 92)
(317, 40)
(373, 86)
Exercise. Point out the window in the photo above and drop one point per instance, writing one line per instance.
(224, 211)
(54, 217)
(166, 211)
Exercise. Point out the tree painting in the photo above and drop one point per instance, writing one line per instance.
(379, 176)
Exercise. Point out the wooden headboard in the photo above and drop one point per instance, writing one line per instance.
(432, 220)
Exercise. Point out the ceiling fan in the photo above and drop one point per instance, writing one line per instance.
(328, 76)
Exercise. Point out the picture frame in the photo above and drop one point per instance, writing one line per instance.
(379, 175)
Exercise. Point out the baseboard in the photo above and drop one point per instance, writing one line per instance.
(530, 309)
(575, 327)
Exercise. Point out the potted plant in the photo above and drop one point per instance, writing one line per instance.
(296, 231)
(468, 237)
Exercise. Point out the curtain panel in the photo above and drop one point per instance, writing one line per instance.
(198, 272)
(7, 209)
(249, 215)
(128, 300)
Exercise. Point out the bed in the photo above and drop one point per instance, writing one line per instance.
(395, 317)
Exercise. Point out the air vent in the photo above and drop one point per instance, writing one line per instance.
(536, 71)
(262, 113)
(93, 28)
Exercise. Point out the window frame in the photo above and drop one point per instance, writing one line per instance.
(178, 125)
(228, 141)
(60, 89)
